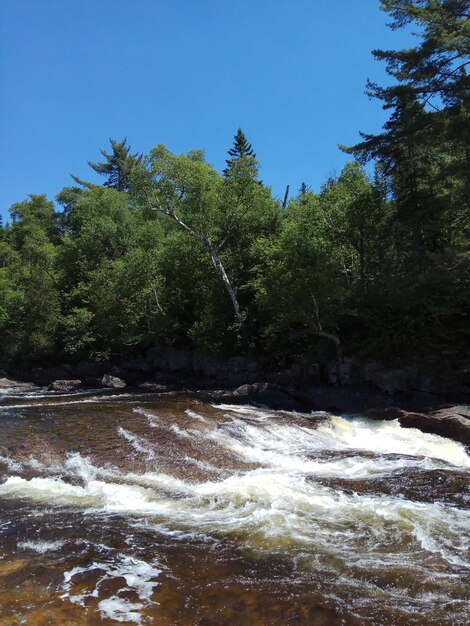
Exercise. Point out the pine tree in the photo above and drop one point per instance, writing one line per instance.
(241, 148)
(117, 167)
(435, 67)
(424, 147)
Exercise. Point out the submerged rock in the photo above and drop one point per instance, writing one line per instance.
(65, 385)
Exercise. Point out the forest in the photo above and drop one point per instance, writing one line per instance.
(169, 251)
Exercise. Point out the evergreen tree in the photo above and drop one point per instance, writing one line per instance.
(241, 148)
(117, 167)
(436, 67)
(423, 151)
(406, 154)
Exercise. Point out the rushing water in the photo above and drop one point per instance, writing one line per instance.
(159, 509)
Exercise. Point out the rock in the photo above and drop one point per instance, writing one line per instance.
(451, 422)
(156, 387)
(390, 380)
(136, 364)
(250, 390)
(168, 358)
(206, 365)
(7, 383)
(65, 385)
(113, 382)
(339, 374)
(262, 394)
(462, 410)
(344, 399)
(384, 413)
(44, 375)
(90, 373)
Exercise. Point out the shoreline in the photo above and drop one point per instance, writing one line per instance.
(429, 413)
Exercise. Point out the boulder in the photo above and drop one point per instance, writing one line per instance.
(451, 422)
(384, 413)
(7, 383)
(264, 394)
(112, 382)
(65, 385)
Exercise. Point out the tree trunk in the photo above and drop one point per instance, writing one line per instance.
(286, 196)
(214, 255)
(219, 268)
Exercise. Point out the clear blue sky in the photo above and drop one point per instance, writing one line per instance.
(186, 73)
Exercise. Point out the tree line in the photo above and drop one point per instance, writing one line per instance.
(169, 250)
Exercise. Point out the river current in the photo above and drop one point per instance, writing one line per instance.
(162, 509)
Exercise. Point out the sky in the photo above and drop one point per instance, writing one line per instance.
(185, 73)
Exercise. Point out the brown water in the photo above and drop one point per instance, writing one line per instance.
(159, 509)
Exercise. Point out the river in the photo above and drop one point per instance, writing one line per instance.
(162, 509)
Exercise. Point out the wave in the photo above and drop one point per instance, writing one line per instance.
(265, 508)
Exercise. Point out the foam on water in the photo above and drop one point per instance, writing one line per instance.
(94, 399)
(335, 433)
(140, 579)
(137, 443)
(41, 547)
(180, 432)
(195, 415)
(269, 507)
(13, 466)
(9, 407)
(153, 420)
(388, 437)
(275, 504)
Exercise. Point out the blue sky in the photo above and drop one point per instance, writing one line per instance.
(186, 73)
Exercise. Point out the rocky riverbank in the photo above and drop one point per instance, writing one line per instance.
(416, 400)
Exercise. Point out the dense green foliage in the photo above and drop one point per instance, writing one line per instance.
(168, 250)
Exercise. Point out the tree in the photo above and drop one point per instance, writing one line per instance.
(357, 221)
(298, 284)
(424, 149)
(67, 198)
(241, 150)
(435, 69)
(118, 166)
(30, 280)
(185, 189)
(407, 157)
(90, 259)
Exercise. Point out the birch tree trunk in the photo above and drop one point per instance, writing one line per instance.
(214, 255)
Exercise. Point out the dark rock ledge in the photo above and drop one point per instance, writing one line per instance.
(452, 421)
